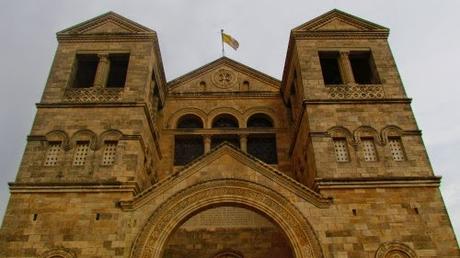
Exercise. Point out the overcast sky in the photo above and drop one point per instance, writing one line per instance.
(424, 37)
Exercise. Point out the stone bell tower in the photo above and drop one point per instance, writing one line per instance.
(95, 136)
(355, 137)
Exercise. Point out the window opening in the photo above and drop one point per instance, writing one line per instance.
(330, 67)
(86, 67)
(225, 121)
(263, 147)
(190, 121)
(81, 152)
(341, 150)
(396, 148)
(53, 153)
(187, 148)
(233, 139)
(117, 71)
(363, 67)
(370, 154)
(110, 151)
(260, 120)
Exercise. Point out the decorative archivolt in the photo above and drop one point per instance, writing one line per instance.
(395, 250)
(341, 132)
(153, 236)
(260, 110)
(58, 136)
(172, 122)
(365, 131)
(390, 131)
(224, 110)
(58, 253)
(207, 118)
(109, 135)
(84, 135)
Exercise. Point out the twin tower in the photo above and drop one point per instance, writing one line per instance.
(225, 161)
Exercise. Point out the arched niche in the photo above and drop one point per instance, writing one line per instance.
(225, 121)
(151, 241)
(189, 121)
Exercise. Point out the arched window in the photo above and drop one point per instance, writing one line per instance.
(262, 146)
(260, 120)
(188, 147)
(190, 121)
(225, 121)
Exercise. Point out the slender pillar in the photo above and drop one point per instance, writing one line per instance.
(102, 71)
(207, 143)
(244, 142)
(345, 66)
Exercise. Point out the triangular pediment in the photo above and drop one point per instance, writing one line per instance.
(108, 23)
(228, 162)
(224, 75)
(336, 20)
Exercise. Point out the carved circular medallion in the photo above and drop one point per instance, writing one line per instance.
(224, 78)
(395, 250)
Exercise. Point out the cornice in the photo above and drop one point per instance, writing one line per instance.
(73, 187)
(339, 35)
(376, 182)
(105, 38)
(357, 101)
(233, 94)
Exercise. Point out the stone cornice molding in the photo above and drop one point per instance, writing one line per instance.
(233, 94)
(268, 171)
(73, 187)
(377, 182)
(357, 101)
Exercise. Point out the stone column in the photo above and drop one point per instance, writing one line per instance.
(207, 143)
(244, 142)
(102, 71)
(345, 67)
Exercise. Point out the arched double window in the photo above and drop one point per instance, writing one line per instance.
(225, 121)
(188, 147)
(262, 146)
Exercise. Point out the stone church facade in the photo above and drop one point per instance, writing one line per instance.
(225, 161)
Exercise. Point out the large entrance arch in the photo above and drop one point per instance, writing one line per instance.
(151, 240)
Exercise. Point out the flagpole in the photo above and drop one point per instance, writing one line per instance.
(222, 39)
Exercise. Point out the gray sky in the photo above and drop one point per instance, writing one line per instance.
(424, 38)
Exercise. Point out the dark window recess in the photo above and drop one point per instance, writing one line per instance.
(363, 68)
(225, 121)
(263, 147)
(330, 67)
(187, 148)
(86, 67)
(260, 120)
(190, 121)
(219, 139)
(117, 71)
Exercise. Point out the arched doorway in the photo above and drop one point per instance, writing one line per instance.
(152, 240)
(228, 232)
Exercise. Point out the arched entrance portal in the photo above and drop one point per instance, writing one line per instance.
(151, 241)
(228, 232)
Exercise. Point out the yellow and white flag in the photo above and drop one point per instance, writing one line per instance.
(230, 41)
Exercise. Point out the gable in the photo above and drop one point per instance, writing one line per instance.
(224, 75)
(108, 23)
(227, 162)
(337, 20)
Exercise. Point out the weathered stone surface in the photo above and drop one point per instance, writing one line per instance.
(312, 205)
